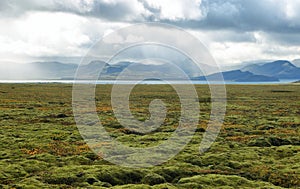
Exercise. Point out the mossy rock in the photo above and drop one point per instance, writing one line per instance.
(193, 159)
(46, 157)
(65, 175)
(4, 177)
(91, 155)
(191, 185)
(91, 179)
(118, 176)
(200, 130)
(33, 166)
(102, 184)
(164, 186)
(269, 141)
(30, 183)
(276, 141)
(63, 178)
(259, 142)
(153, 179)
(133, 186)
(78, 160)
(170, 173)
(11, 172)
(265, 127)
(222, 181)
(83, 185)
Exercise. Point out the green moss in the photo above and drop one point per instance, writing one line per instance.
(217, 181)
(269, 141)
(116, 175)
(153, 179)
(11, 173)
(34, 166)
(164, 186)
(258, 146)
(31, 183)
(133, 186)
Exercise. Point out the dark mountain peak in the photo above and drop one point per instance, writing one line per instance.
(233, 71)
(281, 69)
(270, 71)
(284, 63)
(275, 65)
(238, 76)
(236, 73)
(97, 62)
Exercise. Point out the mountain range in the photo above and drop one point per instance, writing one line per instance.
(258, 72)
(280, 69)
(238, 76)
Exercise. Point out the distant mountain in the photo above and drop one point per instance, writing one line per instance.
(58, 70)
(133, 70)
(238, 76)
(255, 72)
(127, 70)
(241, 65)
(36, 70)
(281, 69)
(53, 66)
(53, 70)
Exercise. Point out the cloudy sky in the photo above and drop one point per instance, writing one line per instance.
(234, 30)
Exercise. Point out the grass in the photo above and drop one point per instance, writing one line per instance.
(258, 147)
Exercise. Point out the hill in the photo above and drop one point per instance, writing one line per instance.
(238, 76)
(258, 72)
(281, 69)
(133, 70)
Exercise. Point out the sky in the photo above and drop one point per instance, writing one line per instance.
(234, 31)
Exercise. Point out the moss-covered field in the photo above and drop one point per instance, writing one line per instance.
(258, 147)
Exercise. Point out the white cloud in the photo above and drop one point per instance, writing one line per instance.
(39, 34)
(227, 53)
(81, 6)
(133, 39)
(113, 38)
(292, 9)
(230, 47)
(233, 30)
(177, 9)
(42, 33)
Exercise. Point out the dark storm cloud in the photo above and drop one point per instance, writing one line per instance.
(114, 12)
(243, 15)
(278, 18)
(153, 10)
(246, 15)
(108, 10)
(14, 8)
